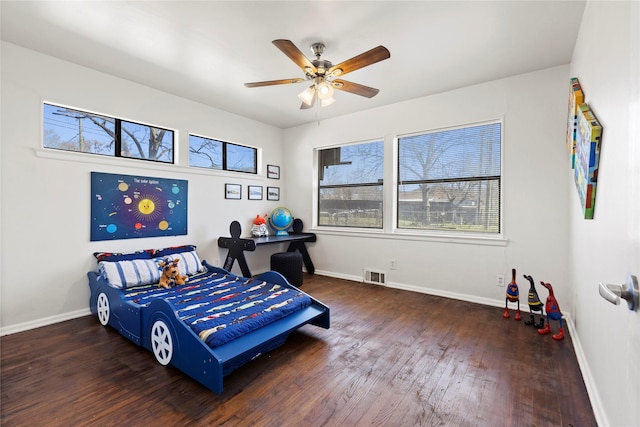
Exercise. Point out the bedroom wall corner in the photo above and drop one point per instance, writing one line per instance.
(45, 215)
(533, 107)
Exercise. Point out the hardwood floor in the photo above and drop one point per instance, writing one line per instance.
(391, 358)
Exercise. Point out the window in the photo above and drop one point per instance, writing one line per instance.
(350, 185)
(214, 154)
(75, 130)
(450, 180)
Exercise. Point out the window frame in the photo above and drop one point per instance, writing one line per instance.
(225, 157)
(452, 233)
(379, 183)
(117, 140)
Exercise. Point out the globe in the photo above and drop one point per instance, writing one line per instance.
(281, 220)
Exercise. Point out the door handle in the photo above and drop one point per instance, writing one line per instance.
(628, 292)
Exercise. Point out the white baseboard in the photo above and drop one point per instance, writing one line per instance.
(592, 391)
(45, 321)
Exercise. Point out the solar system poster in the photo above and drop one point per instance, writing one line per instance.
(129, 207)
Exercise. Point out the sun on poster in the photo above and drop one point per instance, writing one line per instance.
(129, 207)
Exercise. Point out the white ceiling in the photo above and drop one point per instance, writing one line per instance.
(206, 50)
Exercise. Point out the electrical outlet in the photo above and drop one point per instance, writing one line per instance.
(392, 264)
(500, 280)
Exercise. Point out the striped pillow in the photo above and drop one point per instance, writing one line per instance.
(129, 273)
(189, 263)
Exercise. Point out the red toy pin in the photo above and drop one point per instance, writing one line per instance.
(553, 312)
(513, 295)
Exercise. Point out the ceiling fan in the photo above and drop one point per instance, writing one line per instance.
(323, 74)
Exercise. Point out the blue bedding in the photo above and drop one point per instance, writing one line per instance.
(220, 307)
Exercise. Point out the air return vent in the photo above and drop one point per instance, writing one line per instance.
(374, 276)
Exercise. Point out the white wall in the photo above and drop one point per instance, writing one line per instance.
(45, 215)
(607, 61)
(535, 190)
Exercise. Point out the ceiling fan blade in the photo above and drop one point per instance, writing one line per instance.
(306, 106)
(356, 88)
(367, 58)
(274, 82)
(288, 48)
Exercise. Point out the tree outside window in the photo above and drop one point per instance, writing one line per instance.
(75, 130)
(450, 180)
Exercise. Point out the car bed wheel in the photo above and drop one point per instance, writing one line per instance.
(103, 311)
(161, 342)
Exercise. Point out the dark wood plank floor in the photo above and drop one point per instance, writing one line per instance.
(391, 358)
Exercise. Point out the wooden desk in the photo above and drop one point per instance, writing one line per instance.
(237, 246)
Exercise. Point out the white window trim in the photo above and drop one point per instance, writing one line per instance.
(390, 193)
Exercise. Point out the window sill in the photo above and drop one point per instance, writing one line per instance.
(465, 239)
(102, 160)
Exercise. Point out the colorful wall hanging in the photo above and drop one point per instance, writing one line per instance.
(129, 207)
(588, 140)
(576, 97)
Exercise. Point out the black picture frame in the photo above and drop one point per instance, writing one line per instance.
(273, 172)
(254, 192)
(233, 191)
(273, 193)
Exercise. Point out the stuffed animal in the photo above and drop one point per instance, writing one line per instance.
(259, 227)
(171, 274)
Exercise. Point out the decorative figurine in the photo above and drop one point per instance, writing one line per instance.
(534, 305)
(513, 295)
(553, 312)
(259, 227)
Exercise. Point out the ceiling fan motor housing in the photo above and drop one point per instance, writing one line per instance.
(322, 66)
(317, 49)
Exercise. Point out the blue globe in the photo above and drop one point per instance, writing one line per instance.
(281, 220)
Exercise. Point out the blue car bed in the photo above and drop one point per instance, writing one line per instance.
(209, 326)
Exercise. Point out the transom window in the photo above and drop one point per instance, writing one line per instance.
(350, 185)
(75, 130)
(450, 180)
(215, 154)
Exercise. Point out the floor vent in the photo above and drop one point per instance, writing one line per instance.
(375, 277)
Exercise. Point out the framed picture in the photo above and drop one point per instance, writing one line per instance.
(273, 172)
(255, 192)
(138, 200)
(273, 193)
(233, 191)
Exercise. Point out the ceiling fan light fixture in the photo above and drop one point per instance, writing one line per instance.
(306, 95)
(328, 101)
(325, 91)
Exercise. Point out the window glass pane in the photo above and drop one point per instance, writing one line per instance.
(350, 185)
(146, 142)
(471, 206)
(241, 159)
(458, 153)
(450, 180)
(352, 206)
(205, 152)
(352, 164)
(73, 130)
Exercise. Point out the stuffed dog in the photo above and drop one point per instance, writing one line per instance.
(171, 274)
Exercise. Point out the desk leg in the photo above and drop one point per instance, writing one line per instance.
(242, 262)
(306, 258)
